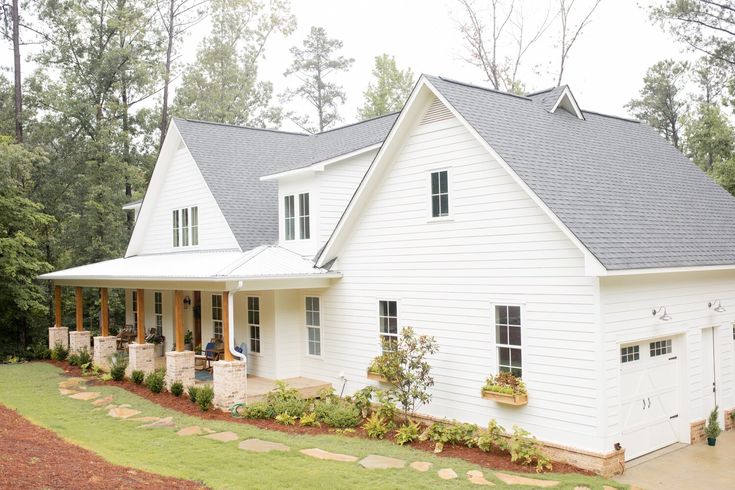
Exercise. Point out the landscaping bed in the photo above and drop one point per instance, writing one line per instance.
(34, 457)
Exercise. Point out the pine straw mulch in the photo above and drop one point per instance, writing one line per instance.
(495, 460)
(34, 457)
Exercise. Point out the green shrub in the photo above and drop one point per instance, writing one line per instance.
(118, 365)
(526, 450)
(363, 399)
(84, 356)
(192, 391)
(505, 382)
(452, 433)
(493, 437)
(286, 418)
(73, 359)
(259, 410)
(286, 400)
(407, 433)
(155, 381)
(339, 414)
(309, 420)
(387, 408)
(39, 350)
(59, 353)
(375, 427)
(205, 396)
(177, 388)
(137, 376)
(713, 430)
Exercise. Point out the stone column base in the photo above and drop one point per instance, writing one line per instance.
(79, 341)
(230, 381)
(696, 431)
(104, 348)
(729, 422)
(141, 358)
(180, 367)
(58, 336)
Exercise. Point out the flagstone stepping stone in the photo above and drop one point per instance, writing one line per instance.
(447, 474)
(322, 454)
(258, 446)
(476, 477)
(85, 395)
(159, 423)
(102, 401)
(222, 436)
(421, 465)
(146, 419)
(122, 412)
(73, 383)
(377, 462)
(66, 391)
(193, 430)
(522, 480)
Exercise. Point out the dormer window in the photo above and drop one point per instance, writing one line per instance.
(304, 226)
(289, 216)
(185, 226)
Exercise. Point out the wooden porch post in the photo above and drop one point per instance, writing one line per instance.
(179, 319)
(79, 309)
(57, 306)
(105, 312)
(226, 325)
(141, 315)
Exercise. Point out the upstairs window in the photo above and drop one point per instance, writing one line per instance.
(304, 231)
(439, 194)
(185, 226)
(508, 339)
(388, 319)
(290, 217)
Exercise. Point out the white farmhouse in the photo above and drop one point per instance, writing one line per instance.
(579, 250)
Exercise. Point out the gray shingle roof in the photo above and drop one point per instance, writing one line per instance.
(233, 158)
(628, 195)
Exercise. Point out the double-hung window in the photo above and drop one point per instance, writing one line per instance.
(388, 320)
(304, 226)
(217, 316)
(254, 323)
(508, 338)
(289, 217)
(158, 311)
(135, 308)
(440, 194)
(185, 226)
(313, 326)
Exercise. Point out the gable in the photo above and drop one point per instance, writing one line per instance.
(177, 183)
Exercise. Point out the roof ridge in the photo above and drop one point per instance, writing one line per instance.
(356, 123)
(487, 89)
(611, 116)
(539, 92)
(215, 123)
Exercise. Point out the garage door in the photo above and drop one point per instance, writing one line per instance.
(650, 396)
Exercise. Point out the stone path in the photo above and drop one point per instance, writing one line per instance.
(322, 454)
(447, 474)
(122, 412)
(258, 446)
(522, 480)
(222, 436)
(377, 462)
(476, 477)
(85, 395)
(193, 430)
(421, 465)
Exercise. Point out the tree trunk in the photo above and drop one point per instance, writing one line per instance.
(167, 73)
(16, 64)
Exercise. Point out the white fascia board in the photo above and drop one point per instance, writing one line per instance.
(669, 270)
(319, 166)
(566, 93)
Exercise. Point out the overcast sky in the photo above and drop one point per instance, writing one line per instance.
(605, 69)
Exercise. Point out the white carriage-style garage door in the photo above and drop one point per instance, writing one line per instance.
(650, 383)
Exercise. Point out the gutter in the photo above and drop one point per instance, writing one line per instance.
(231, 330)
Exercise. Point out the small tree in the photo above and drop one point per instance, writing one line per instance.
(403, 364)
(713, 430)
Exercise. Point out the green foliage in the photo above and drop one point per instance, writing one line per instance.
(404, 365)
(39, 350)
(309, 420)
(712, 429)
(525, 449)
(259, 410)
(286, 418)
(155, 381)
(339, 413)
(492, 438)
(73, 359)
(311, 65)
(192, 391)
(363, 400)
(205, 396)
(389, 90)
(454, 433)
(505, 382)
(387, 408)
(177, 388)
(376, 427)
(118, 365)
(406, 433)
(709, 137)
(84, 356)
(286, 400)
(59, 353)
(137, 376)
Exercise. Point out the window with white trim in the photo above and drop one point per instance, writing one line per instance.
(660, 347)
(304, 226)
(289, 218)
(508, 339)
(135, 308)
(217, 316)
(313, 326)
(254, 323)
(388, 321)
(440, 194)
(158, 311)
(185, 226)
(630, 353)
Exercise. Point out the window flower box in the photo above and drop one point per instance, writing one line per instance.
(506, 398)
(505, 388)
(376, 377)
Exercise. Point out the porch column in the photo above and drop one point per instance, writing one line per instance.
(226, 325)
(179, 364)
(79, 339)
(141, 315)
(105, 312)
(58, 335)
(229, 376)
(104, 345)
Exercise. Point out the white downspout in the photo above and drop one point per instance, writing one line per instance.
(231, 328)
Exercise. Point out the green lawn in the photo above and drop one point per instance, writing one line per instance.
(32, 390)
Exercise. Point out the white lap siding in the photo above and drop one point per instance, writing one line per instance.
(627, 304)
(497, 248)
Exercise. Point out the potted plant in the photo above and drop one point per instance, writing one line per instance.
(712, 430)
(189, 340)
(505, 388)
(374, 369)
(157, 341)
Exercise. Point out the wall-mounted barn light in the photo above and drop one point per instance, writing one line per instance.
(664, 316)
(716, 305)
(187, 302)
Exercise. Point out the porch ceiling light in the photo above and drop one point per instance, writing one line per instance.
(664, 316)
(716, 305)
